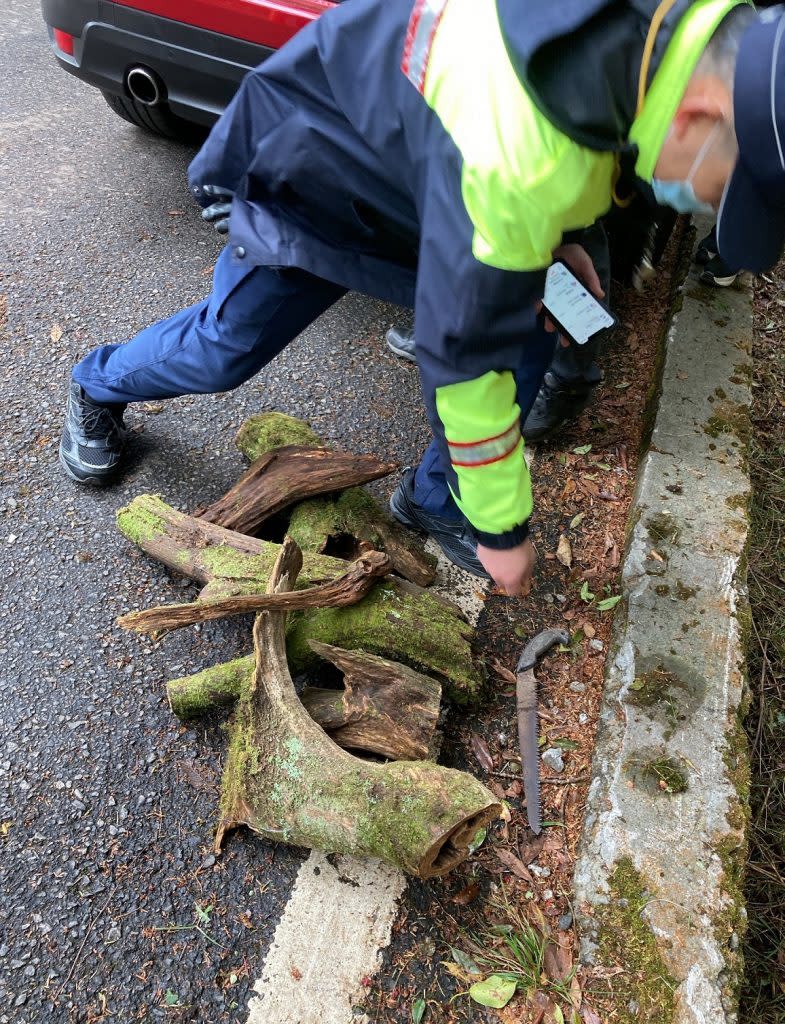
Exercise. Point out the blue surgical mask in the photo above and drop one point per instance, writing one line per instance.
(680, 195)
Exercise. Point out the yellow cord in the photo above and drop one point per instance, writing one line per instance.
(648, 48)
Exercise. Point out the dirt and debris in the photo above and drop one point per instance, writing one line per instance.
(514, 895)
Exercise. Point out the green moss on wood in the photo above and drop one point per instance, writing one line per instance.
(391, 623)
(261, 434)
(139, 524)
(644, 990)
(219, 686)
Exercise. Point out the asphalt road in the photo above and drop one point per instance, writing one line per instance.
(106, 806)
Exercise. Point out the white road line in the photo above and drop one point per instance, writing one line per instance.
(338, 919)
(341, 911)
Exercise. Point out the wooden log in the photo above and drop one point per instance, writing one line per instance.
(285, 476)
(396, 620)
(349, 522)
(345, 590)
(286, 780)
(385, 708)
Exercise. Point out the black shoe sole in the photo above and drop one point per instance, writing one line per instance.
(80, 477)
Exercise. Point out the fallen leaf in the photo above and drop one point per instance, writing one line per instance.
(467, 895)
(576, 994)
(607, 603)
(588, 630)
(453, 969)
(465, 962)
(584, 449)
(558, 1016)
(576, 521)
(531, 851)
(607, 496)
(418, 1010)
(681, 375)
(56, 333)
(589, 1016)
(589, 488)
(503, 672)
(481, 752)
(514, 864)
(569, 487)
(564, 551)
(495, 991)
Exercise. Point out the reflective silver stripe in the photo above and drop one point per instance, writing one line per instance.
(480, 453)
(772, 85)
(419, 35)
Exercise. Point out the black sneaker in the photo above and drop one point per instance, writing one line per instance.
(453, 537)
(93, 438)
(707, 249)
(715, 273)
(556, 404)
(401, 342)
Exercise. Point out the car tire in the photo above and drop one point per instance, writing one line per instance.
(159, 119)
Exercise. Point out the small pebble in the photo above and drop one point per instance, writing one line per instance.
(565, 922)
(552, 758)
(547, 894)
(113, 935)
(583, 718)
(577, 687)
(596, 645)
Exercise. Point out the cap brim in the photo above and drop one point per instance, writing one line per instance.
(750, 231)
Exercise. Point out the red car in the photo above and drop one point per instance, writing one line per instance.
(171, 66)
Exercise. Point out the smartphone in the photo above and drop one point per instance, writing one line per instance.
(571, 306)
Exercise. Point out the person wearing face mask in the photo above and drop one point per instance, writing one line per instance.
(440, 154)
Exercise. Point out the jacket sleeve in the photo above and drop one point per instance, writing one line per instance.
(475, 327)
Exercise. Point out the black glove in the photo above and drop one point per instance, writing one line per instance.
(218, 212)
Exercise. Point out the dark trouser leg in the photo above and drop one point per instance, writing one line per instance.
(214, 345)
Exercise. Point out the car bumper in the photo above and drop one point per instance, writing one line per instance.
(200, 70)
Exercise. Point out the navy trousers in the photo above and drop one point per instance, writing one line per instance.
(250, 316)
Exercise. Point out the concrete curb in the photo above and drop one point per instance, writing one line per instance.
(657, 880)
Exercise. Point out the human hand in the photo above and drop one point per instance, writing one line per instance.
(218, 212)
(581, 264)
(511, 568)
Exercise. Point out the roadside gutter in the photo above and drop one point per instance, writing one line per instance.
(658, 874)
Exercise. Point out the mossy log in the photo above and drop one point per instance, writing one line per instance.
(350, 522)
(396, 620)
(384, 708)
(286, 780)
(345, 590)
(285, 476)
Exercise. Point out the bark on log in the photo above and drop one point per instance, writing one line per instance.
(385, 708)
(288, 781)
(396, 620)
(347, 589)
(351, 521)
(285, 476)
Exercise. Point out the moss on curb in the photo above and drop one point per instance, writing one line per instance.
(644, 991)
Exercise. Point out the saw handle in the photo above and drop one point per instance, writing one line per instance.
(539, 645)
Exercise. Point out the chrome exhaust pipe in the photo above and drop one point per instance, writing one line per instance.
(145, 86)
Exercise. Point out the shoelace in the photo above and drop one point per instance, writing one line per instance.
(99, 423)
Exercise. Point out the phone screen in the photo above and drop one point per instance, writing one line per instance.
(572, 306)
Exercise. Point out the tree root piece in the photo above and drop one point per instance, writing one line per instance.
(288, 781)
(346, 523)
(345, 590)
(385, 708)
(285, 476)
(396, 620)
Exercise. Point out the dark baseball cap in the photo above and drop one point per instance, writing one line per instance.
(751, 219)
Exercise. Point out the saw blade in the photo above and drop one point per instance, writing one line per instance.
(528, 739)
